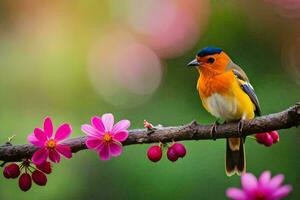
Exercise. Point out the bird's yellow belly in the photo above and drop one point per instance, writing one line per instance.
(231, 107)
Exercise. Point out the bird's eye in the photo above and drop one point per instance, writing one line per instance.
(210, 60)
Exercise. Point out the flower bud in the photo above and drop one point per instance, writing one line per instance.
(39, 178)
(154, 153)
(11, 171)
(148, 125)
(25, 182)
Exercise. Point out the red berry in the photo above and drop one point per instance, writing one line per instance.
(11, 171)
(171, 154)
(39, 178)
(260, 137)
(45, 167)
(264, 138)
(154, 153)
(179, 149)
(6, 173)
(25, 182)
(275, 136)
(268, 140)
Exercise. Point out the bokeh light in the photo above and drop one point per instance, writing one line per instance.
(290, 58)
(123, 71)
(169, 27)
(286, 8)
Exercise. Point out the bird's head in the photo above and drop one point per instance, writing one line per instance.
(211, 58)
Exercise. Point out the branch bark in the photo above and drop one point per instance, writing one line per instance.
(193, 131)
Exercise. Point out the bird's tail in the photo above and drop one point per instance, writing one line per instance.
(235, 156)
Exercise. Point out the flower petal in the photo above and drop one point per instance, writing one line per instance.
(104, 153)
(101, 146)
(91, 131)
(282, 192)
(115, 149)
(63, 132)
(235, 194)
(121, 136)
(249, 182)
(40, 135)
(54, 156)
(32, 139)
(65, 150)
(121, 126)
(108, 121)
(40, 156)
(98, 124)
(276, 181)
(264, 179)
(48, 127)
(92, 142)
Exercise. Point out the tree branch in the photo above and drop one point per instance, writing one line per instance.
(193, 131)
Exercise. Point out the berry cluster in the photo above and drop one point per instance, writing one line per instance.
(175, 151)
(268, 138)
(30, 173)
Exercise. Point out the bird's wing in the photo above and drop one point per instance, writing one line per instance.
(245, 85)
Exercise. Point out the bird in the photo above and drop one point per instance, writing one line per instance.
(226, 93)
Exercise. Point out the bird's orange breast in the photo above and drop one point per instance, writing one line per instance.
(222, 96)
(209, 82)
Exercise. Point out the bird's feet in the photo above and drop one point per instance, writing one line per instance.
(240, 127)
(213, 130)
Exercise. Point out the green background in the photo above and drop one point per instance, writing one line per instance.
(251, 33)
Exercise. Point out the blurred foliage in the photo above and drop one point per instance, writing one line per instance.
(44, 72)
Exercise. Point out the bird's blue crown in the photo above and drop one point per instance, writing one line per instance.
(209, 51)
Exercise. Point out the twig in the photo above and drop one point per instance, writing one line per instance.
(193, 131)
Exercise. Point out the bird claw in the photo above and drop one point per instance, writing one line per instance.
(240, 127)
(213, 130)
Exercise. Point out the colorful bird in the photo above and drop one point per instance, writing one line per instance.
(226, 93)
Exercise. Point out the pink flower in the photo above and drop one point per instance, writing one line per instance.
(104, 136)
(265, 188)
(50, 146)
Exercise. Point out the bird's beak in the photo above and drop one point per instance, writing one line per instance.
(193, 63)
